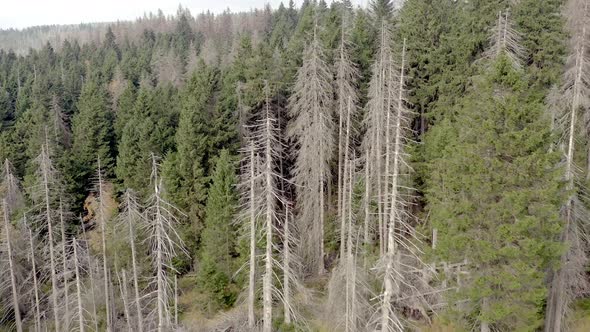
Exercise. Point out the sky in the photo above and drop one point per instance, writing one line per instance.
(25, 13)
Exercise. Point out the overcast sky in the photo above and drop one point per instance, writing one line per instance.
(25, 13)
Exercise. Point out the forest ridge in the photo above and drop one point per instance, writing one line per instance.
(421, 167)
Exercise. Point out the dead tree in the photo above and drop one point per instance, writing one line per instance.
(91, 276)
(47, 185)
(312, 129)
(375, 140)
(505, 41)
(11, 200)
(570, 280)
(100, 187)
(11, 267)
(65, 272)
(400, 251)
(130, 215)
(346, 97)
(32, 250)
(165, 244)
(81, 325)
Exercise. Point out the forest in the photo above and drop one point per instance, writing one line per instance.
(417, 165)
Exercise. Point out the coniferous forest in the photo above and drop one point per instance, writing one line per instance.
(417, 165)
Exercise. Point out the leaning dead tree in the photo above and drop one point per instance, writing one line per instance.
(570, 280)
(312, 129)
(347, 75)
(165, 244)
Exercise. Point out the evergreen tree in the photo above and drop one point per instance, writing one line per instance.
(185, 170)
(493, 196)
(92, 138)
(218, 241)
(150, 129)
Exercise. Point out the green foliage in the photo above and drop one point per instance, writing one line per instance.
(494, 195)
(185, 169)
(93, 139)
(150, 130)
(218, 243)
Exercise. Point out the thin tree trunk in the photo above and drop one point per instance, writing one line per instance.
(45, 171)
(15, 296)
(135, 274)
(78, 289)
(175, 300)
(287, 268)
(321, 268)
(268, 259)
(102, 221)
(485, 325)
(252, 272)
(386, 319)
(557, 295)
(35, 282)
(65, 267)
(91, 273)
(367, 203)
(343, 216)
(161, 284)
(125, 297)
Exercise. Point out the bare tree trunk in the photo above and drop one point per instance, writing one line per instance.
(367, 202)
(164, 241)
(102, 220)
(269, 199)
(78, 289)
(485, 325)
(135, 281)
(287, 267)
(35, 281)
(576, 88)
(125, 297)
(388, 322)
(322, 207)
(131, 206)
(15, 296)
(91, 274)
(160, 270)
(252, 272)
(65, 267)
(346, 147)
(175, 300)
(45, 169)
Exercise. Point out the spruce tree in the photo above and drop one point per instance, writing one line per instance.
(493, 196)
(185, 170)
(218, 240)
(92, 137)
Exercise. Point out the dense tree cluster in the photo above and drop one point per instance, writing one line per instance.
(325, 167)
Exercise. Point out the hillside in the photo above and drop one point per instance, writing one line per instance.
(313, 168)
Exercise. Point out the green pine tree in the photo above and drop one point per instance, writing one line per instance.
(219, 238)
(494, 194)
(92, 138)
